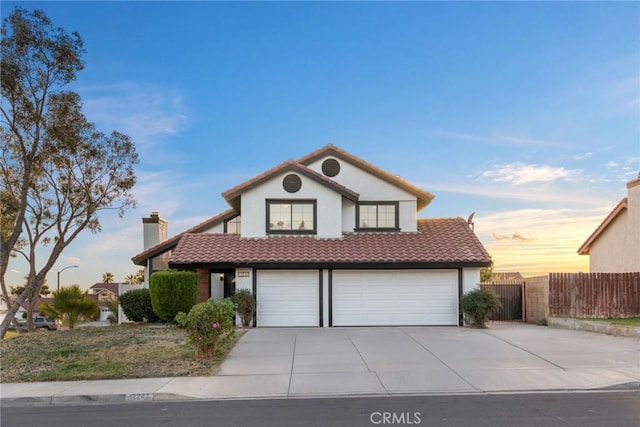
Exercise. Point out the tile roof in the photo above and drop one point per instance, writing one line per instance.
(443, 241)
(169, 244)
(424, 197)
(111, 287)
(584, 249)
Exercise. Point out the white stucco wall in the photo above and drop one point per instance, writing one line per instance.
(608, 252)
(633, 222)
(617, 247)
(470, 279)
(329, 206)
(216, 228)
(372, 188)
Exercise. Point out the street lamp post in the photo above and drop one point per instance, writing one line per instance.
(60, 271)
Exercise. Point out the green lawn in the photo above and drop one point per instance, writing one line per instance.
(629, 321)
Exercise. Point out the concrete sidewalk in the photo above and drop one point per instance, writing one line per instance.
(297, 362)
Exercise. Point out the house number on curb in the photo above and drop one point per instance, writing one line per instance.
(139, 396)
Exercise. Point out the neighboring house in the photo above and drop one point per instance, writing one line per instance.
(105, 291)
(506, 277)
(614, 247)
(4, 310)
(327, 240)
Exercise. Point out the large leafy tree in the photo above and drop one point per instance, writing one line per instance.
(70, 305)
(57, 171)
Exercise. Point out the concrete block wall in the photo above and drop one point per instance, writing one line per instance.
(537, 298)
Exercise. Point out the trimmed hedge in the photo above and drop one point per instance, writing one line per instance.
(136, 305)
(172, 292)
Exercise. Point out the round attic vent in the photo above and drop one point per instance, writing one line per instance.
(292, 183)
(330, 167)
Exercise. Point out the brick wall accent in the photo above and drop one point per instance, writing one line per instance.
(204, 285)
(537, 298)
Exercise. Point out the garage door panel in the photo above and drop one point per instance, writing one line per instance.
(287, 298)
(409, 297)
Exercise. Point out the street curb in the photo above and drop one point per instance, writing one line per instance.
(75, 399)
(633, 385)
(172, 397)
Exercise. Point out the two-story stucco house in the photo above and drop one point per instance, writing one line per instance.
(327, 240)
(614, 247)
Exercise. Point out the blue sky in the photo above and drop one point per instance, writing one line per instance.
(526, 113)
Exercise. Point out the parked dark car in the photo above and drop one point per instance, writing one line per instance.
(42, 323)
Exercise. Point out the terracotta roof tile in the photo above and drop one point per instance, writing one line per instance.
(438, 241)
(169, 244)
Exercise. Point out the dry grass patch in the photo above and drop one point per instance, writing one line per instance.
(124, 351)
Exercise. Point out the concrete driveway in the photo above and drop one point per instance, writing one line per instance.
(506, 357)
(377, 361)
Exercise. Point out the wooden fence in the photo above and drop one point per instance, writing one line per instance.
(595, 295)
(511, 296)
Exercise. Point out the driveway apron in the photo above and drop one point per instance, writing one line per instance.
(409, 360)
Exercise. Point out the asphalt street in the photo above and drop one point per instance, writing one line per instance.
(619, 408)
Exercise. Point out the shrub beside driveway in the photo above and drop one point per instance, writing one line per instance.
(124, 351)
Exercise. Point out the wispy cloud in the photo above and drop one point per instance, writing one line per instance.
(565, 197)
(144, 112)
(519, 173)
(553, 237)
(612, 164)
(583, 156)
(503, 139)
(517, 237)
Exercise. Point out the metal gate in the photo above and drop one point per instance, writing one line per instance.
(511, 295)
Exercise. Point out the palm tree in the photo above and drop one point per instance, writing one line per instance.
(70, 305)
(107, 277)
(135, 278)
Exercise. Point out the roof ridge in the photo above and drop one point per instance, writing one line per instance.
(173, 240)
(330, 149)
(282, 167)
(584, 248)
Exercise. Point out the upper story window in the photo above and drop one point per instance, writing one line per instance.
(233, 225)
(291, 216)
(377, 216)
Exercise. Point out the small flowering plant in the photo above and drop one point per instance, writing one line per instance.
(208, 324)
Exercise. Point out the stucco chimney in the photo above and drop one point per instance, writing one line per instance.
(154, 229)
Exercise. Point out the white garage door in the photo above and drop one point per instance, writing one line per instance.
(395, 297)
(287, 298)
